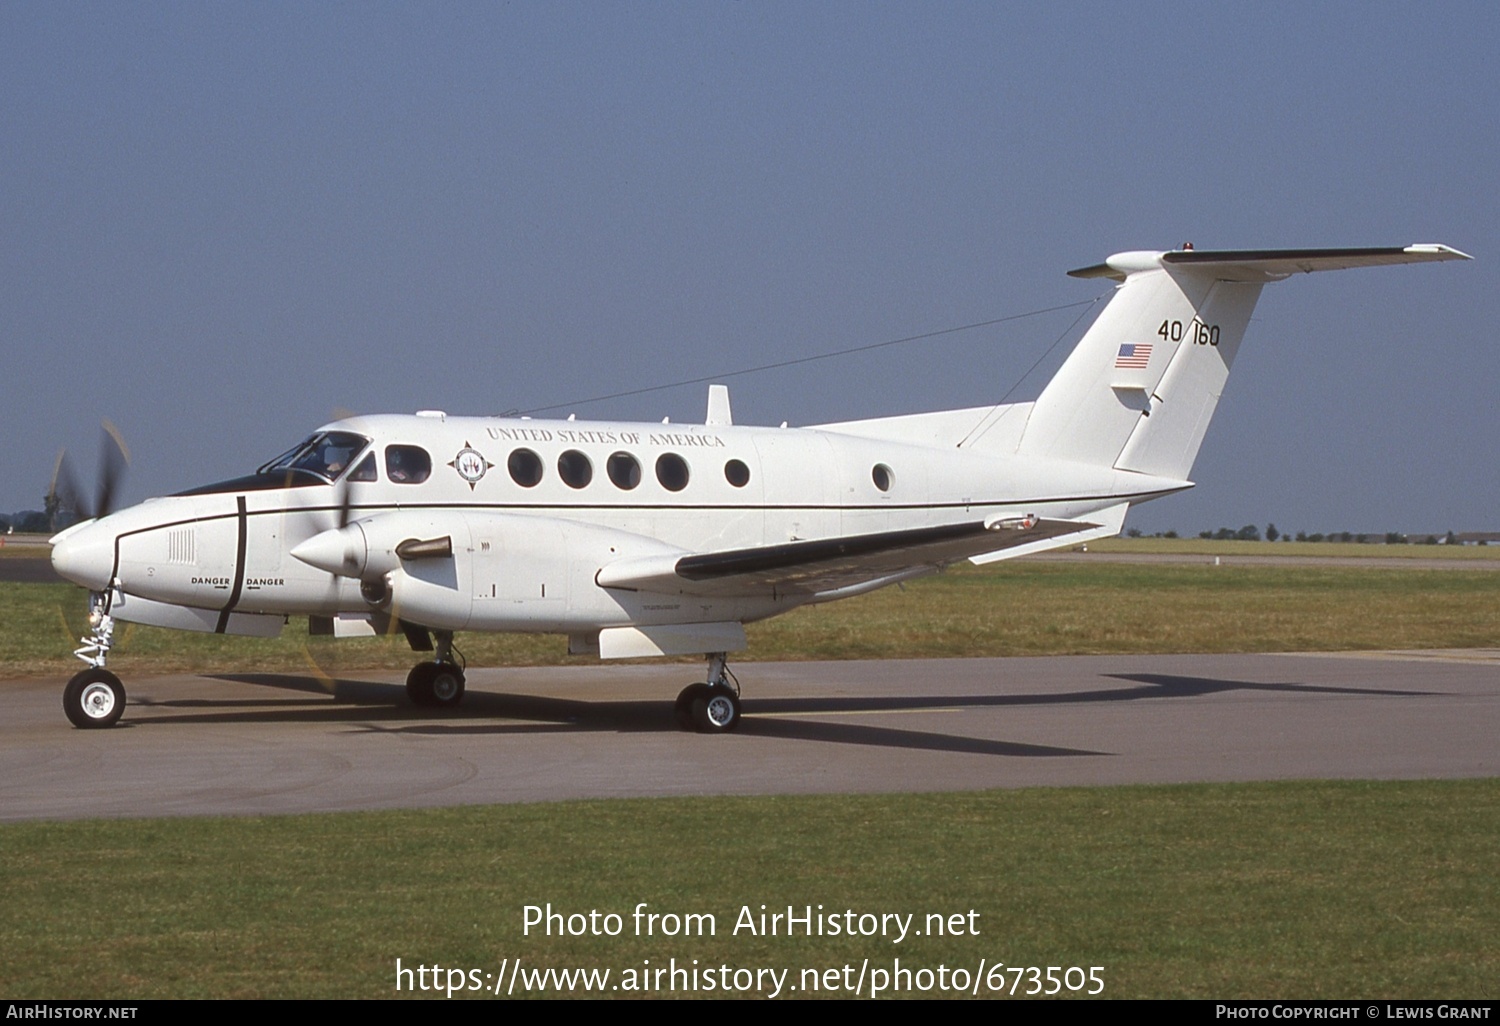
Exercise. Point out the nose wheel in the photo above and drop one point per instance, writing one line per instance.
(712, 707)
(94, 698)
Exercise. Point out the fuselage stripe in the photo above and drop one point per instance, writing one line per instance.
(562, 509)
(239, 566)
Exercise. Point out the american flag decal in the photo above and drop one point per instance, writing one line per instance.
(1133, 355)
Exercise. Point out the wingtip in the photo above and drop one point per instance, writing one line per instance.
(1438, 251)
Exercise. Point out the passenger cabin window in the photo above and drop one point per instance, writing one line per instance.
(575, 469)
(407, 464)
(736, 473)
(672, 471)
(882, 476)
(624, 471)
(525, 468)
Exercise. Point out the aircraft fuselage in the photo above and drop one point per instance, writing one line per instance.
(527, 552)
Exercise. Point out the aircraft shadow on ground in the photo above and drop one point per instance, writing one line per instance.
(383, 708)
(1166, 685)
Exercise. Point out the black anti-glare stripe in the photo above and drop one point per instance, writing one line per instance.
(114, 574)
(239, 566)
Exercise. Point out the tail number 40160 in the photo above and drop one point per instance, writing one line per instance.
(1201, 334)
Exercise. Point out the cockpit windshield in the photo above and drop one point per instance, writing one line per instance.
(327, 454)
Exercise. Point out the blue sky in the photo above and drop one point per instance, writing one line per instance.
(223, 223)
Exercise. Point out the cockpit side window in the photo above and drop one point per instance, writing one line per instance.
(365, 471)
(328, 455)
(407, 464)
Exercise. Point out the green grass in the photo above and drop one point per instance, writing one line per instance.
(1312, 890)
(1078, 608)
(1011, 609)
(1262, 890)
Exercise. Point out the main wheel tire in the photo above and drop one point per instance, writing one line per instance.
(94, 698)
(447, 686)
(684, 706)
(717, 711)
(419, 684)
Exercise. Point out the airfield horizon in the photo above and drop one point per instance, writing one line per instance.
(1068, 604)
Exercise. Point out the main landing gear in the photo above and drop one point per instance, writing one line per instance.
(440, 683)
(95, 697)
(712, 707)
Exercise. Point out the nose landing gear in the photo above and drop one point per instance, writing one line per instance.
(95, 697)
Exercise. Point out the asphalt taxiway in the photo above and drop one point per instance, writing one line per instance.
(273, 743)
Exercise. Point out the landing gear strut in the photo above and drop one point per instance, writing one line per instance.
(712, 707)
(440, 683)
(95, 697)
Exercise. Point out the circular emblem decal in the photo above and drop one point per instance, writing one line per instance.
(470, 464)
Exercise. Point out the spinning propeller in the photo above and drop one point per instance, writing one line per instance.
(114, 457)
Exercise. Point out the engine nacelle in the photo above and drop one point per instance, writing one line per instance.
(494, 571)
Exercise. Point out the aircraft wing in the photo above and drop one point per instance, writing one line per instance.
(838, 567)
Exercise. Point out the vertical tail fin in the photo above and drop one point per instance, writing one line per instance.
(1139, 389)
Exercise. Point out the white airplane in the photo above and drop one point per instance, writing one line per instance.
(665, 539)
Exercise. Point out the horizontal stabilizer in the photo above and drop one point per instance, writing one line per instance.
(1263, 265)
(1108, 524)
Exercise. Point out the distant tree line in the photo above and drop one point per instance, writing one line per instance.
(1250, 532)
(56, 513)
(31, 521)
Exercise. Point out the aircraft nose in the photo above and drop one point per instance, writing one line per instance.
(85, 554)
